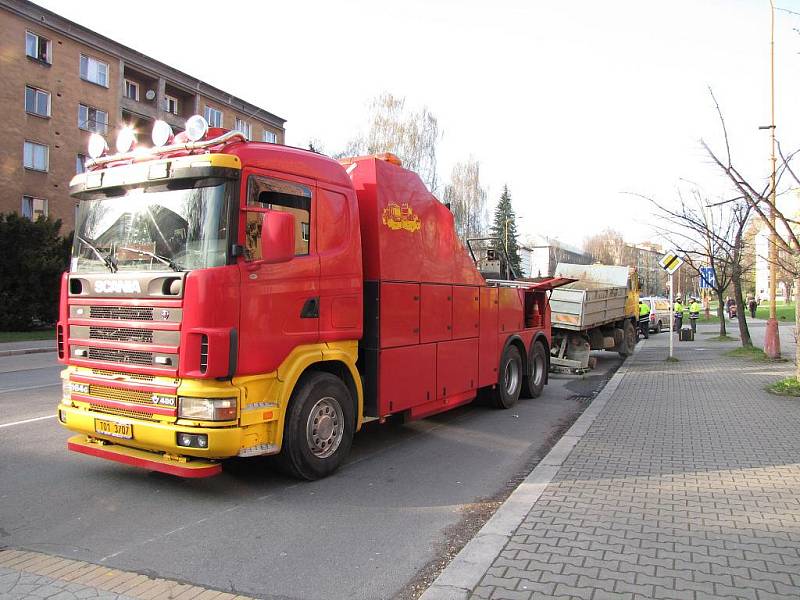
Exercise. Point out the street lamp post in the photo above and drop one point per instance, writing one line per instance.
(772, 341)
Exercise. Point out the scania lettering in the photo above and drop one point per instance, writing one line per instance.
(229, 298)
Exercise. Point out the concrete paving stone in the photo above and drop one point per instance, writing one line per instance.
(504, 594)
(528, 585)
(45, 590)
(672, 593)
(481, 592)
(64, 595)
(742, 593)
(756, 584)
(558, 578)
(500, 582)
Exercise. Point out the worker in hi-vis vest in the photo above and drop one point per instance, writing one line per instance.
(678, 314)
(644, 318)
(694, 313)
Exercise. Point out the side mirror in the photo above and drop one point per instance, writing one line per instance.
(277, 237)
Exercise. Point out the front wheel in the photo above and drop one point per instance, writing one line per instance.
(319, 427)
(509, 384)
(629, 339)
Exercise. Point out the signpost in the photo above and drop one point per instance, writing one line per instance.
(708, 278)
(671, 262)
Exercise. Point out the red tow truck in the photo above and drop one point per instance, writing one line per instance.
(233, 298)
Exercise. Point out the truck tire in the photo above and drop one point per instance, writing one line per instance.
(509, 380)
(319, 427)
(534, 383)
(629, 339)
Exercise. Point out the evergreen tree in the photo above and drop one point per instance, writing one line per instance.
(504, 228)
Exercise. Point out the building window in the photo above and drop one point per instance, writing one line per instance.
(171, 104)
(80, 163)
(271, 137)
(93, 70)
(214, 117)
(33, 208)
(37, 102)
(37, 47)
(131, 90)
(92, 119)
(243, 126)
(35, 156)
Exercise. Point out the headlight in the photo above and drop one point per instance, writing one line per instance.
(207, 409)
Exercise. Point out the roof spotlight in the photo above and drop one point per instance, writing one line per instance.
(126, 139)
(196, 127)
(97, 145)
(162, 133)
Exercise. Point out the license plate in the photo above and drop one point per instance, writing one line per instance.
(114, 429)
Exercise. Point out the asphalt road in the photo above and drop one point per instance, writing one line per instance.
(367, 532)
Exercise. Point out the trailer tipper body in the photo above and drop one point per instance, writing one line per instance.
(597, 311)
(232, 298)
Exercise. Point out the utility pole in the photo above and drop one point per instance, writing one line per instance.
(772, 341)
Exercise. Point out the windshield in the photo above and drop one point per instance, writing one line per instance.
(153, 229)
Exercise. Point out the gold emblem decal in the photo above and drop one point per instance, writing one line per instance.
(400, 216)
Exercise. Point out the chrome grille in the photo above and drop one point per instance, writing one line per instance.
(129, 357)
(109, 393)
(137, 376)
(122, 313)
(122, 412)
(121, 334)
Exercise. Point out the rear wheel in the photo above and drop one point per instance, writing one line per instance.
(319, 427)
(534, 383)
(509, 384)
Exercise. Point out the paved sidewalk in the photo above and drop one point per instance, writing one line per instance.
(30, 347)
(686, 485)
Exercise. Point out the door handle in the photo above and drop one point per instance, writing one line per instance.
(310, 309)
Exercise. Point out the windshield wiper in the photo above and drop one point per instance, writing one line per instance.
(108, 261)
(167, 261)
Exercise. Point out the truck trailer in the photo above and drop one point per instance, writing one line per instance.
(229, 298)
(599, 310)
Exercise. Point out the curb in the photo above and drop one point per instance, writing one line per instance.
(468, 567)
(20, 351)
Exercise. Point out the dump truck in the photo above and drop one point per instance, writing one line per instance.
(230, 298)
(597, 311)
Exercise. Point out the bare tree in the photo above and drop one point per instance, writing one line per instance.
(467, 199)
(763, 202)
(606, 247)
(410, 134)
(711, 234)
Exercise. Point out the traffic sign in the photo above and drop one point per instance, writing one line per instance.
(670, 262)
(708, 278)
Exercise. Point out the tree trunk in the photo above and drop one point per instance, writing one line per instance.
(796, 286)
(744, 331)
(721, 313)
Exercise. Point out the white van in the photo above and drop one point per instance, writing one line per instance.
(659, 312)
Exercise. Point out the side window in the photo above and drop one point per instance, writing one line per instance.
(266, 193)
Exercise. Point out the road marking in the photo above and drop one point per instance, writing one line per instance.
(26, 421)
(31, 387)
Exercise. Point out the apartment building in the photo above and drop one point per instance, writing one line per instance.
(62, 81)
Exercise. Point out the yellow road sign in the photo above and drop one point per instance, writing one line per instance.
(670, 262)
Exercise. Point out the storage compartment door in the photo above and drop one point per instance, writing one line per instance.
(511, 313)
(466, 304)
(407, 377)
(488, 352)
(456, 367)
(436, 315)
(399, 314)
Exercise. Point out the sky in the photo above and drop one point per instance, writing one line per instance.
(577, 106)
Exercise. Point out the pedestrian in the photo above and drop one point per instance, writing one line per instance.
(694, 313)
(644, 319)
(752, 305)
(678, 314)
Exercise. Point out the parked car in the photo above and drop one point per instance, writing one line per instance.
(659, 312)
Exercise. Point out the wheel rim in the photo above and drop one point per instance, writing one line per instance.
(538, 370)
(325, 427)
(511, 377)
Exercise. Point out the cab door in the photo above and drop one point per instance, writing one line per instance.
(279, 302)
